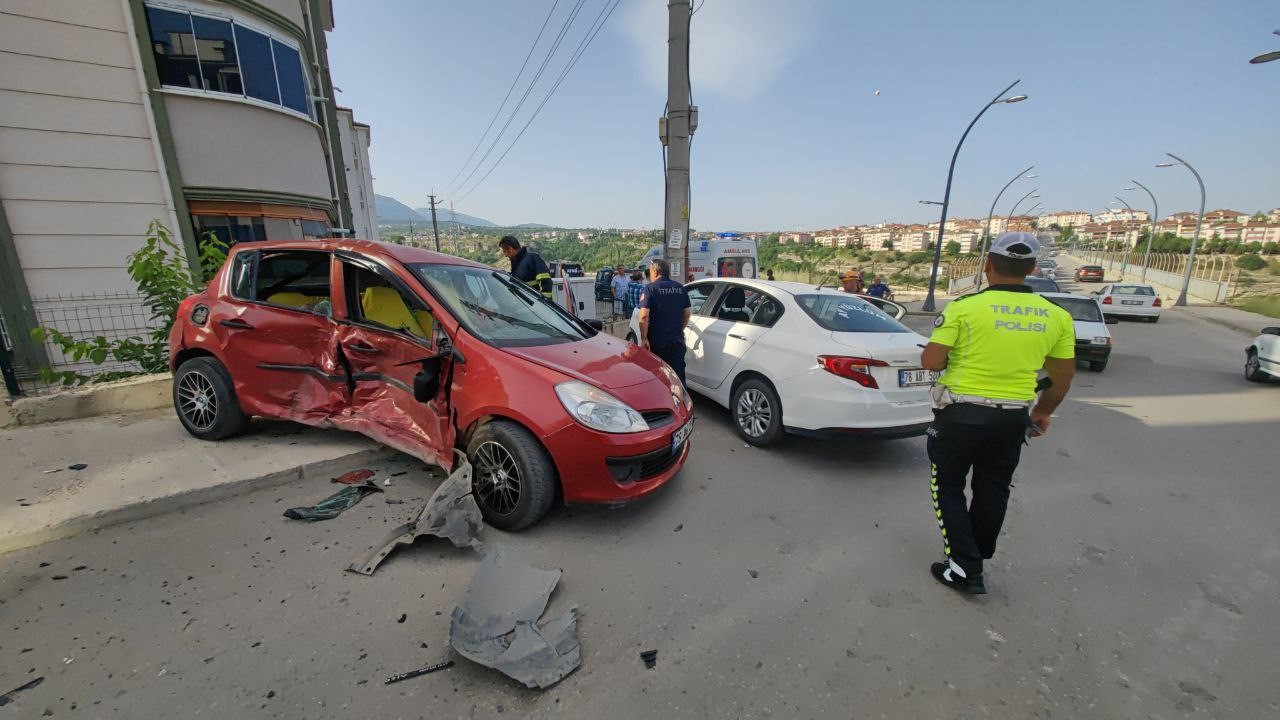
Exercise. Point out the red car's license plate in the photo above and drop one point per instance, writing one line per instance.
(681, 436)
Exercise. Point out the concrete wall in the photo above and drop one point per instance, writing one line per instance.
(291, 9)
(228, 144)
(80, 173)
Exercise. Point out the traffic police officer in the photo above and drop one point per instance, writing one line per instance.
(528, 267)
(990, 347)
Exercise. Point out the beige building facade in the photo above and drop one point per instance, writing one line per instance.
(215, 118)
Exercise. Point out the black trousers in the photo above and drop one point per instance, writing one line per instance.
(673, 355)
(988, 442)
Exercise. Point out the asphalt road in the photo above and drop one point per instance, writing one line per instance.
(1137, 578)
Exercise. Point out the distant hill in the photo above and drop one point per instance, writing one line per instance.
(391, 210)
(532, 226)
(443, 215)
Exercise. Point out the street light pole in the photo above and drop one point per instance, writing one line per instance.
(986, 232)
(1191, 259)
(1155, 215)
(1124, 262)
(929, 305)
(1028, 196)
(1266, 57)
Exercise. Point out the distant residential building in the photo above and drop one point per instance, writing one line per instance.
(797, 238)
(1121, 215)
(1065, 218)
(1261, 232)
(355, 138)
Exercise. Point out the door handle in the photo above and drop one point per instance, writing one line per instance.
(737, 337)
(368, 349)
(235, 324)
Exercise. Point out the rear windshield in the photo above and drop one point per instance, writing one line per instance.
(840, 313)
(1039, 284)
(1082, 309)
(1091, 267)
(1133, 290)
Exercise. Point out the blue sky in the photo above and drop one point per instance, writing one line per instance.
(791, 133)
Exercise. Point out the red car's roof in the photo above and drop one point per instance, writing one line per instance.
(384, 250)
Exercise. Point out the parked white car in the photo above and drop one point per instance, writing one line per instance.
(792, 357)
(1262, 357)
(1093, 338)
(1130, 300)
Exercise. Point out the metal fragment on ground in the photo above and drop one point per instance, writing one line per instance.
(496, 623)
(451, 513)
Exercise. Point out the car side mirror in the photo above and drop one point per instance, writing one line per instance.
(1113, 321)
(1271, 331)
(427, 382)
(596, 325)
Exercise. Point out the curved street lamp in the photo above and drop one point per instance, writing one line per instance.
(1155, 215)
(986, 233)
(1124, 262)
(929, 305)
(1191, 259)
(1267, 57)
(1028, 196)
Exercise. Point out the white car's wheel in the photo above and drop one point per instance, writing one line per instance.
(757, 412)
(1253, 369)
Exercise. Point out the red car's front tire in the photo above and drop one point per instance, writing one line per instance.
(514, 480)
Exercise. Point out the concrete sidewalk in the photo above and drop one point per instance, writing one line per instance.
(146, 464)
(1242, 321)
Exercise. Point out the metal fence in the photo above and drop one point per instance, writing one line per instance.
(112, 316)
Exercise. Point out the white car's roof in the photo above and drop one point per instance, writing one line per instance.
(1067, 295)
(793, 288)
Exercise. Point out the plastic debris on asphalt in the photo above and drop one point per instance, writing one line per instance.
(451, 513)
(496, 624)
(332, 506)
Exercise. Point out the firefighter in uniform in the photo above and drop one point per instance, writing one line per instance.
(990, 347)
(527, 267)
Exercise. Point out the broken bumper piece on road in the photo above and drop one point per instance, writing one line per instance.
(451, 513)
(496, 624)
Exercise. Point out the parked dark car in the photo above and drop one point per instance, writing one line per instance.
(1089, 273)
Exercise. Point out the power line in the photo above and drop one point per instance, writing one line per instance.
(507, 97)
(596, 27)
(555, 45)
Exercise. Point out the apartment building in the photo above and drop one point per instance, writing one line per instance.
(1122, 215)
(1066, 218)
(214, 117)
(797, 238)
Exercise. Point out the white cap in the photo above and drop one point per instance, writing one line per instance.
(1016, 245)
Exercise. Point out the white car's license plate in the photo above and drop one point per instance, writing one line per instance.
(1130, 302)
(918, 376)
(681, 436)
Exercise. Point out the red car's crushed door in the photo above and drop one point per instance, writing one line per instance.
(385, 334)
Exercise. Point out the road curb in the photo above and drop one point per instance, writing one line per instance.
(151, 507)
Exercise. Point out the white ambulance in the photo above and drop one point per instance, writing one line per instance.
(726, 255)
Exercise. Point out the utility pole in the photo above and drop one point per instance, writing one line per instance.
(434, 228)
(675, 132)
(453, 231)
(409, 240)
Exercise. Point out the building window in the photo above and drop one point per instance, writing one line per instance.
(217, 55)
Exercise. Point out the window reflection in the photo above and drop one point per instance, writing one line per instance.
(218, 55)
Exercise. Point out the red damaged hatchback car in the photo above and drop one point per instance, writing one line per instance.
(429, 353)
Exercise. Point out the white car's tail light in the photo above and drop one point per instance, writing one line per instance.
(856, 369)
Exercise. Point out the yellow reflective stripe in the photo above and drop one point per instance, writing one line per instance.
(937, 509)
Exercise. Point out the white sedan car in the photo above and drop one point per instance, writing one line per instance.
(791, 357)
(1130, 301)
(1262, 357)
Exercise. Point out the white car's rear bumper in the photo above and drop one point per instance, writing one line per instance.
(819, 403)
(1130, 310)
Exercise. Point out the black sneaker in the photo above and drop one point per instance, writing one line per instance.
(943, 573)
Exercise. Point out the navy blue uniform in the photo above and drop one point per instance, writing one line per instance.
(666, 301)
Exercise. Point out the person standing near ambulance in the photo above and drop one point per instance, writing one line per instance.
(990, 347)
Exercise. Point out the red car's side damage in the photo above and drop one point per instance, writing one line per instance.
(344, 334)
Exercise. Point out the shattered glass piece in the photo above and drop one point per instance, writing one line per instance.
(495, 624)
(451, 513)
(332, 506)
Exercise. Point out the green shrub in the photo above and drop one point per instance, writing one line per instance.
(1251, 262)
(164, 279)
(916, 258)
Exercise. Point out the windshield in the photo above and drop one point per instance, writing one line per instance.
(1146, 290)
(1082, 309)
(845, 313)
(1040, 284)
(497, 309)
(743, 267)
